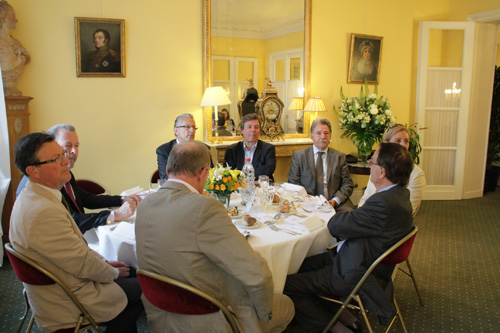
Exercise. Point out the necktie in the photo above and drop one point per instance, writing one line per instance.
(69, 190)
(319, 174)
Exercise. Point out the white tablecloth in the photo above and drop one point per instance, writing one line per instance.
(284, 252)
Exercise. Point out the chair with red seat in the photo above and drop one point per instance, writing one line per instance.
(178, 297)
(395, 255)
(155, 177)
(30, 272)
(91, 186)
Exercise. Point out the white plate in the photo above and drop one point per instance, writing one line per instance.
(240, 224)
(241, 212)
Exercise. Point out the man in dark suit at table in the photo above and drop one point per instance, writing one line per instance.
(336, 183)
(262, 154)
(184, 130)
(76, 198)
(202, 247)
(368, 231)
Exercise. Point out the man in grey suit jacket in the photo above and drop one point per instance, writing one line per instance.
(336, 184)
(43, 230)
(185, 235)
(368, 231)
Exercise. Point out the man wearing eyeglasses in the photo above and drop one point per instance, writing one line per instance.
(184, 130)
(43, 230)
(76, 199)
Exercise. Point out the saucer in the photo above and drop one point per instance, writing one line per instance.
(240, 224)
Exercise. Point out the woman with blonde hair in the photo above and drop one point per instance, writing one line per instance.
(399, 134)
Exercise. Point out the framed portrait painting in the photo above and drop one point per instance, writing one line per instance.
(100, 47)
(364, 59)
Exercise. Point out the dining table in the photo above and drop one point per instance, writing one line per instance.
(284, 240)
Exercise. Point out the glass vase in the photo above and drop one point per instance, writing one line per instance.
(364, 151)
(224, 198)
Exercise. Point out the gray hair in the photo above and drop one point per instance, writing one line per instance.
(179, 118)
(188, 158)
(322, 121)
(54, 130)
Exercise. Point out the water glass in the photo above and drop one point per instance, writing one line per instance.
(264, 181)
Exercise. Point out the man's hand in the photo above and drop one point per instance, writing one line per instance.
(122, 268)
(332, 203)
(134, 198)
(126, 210)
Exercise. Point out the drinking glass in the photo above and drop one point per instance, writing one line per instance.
(264, 181)
(270, 191)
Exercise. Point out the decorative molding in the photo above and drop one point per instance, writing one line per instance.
(491, 16)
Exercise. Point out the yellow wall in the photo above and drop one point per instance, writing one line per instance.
(121, 121)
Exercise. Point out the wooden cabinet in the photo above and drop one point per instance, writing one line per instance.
(18, 125)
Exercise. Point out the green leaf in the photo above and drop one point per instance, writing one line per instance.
(341, 93)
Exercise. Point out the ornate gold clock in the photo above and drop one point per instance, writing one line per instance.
(270, 108)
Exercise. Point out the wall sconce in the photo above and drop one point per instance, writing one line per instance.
(214, 97)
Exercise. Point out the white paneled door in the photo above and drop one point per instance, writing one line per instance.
(443, 98)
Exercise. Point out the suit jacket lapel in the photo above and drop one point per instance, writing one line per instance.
(310, 160)
(256, 154)
(330, 161)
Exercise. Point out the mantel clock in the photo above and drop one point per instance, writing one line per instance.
(270, 108)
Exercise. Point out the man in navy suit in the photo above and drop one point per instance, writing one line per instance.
(262, 154)
(184, 130)
(367, 232)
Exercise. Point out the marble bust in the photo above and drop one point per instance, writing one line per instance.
(13, 56)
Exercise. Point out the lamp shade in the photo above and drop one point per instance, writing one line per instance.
(315, 104)
(297, 104)
(214, 96)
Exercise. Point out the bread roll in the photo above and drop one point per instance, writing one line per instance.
(248, 220)
(285, 207)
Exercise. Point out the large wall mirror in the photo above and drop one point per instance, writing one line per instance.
(245, 41)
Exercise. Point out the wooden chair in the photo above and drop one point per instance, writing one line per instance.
(396, 254)
(178, 297)
(91, 186)
(30, 272)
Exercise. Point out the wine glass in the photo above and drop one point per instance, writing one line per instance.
(270, 192)
(264, 181)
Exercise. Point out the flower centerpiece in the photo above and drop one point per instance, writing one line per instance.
(364, 119)
(221, 182)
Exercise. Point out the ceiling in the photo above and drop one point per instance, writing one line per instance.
(260, 19)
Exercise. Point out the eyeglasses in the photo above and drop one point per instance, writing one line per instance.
(370, 162)
(57, 160)
(188, 127)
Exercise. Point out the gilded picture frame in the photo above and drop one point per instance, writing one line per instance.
(364, 59)
(100, 47)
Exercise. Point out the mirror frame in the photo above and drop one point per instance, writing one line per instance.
(207, 71)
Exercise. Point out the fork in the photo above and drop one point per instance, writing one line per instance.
(275, 228)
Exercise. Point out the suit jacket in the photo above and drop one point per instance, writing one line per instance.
(162, 153)
(42, 229)
(87, 200)
(264, 158)
(203, 248)
(416, 187)
(385, 218)
(339, 179)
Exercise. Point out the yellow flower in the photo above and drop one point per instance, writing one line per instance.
(223, 187)
(211, 186)
(243, 184)
(216, 187)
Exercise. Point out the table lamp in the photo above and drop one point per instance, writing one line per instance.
(316, 105)
(297, 104)
(215, 96)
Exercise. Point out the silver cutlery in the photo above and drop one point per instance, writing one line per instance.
(275, 228)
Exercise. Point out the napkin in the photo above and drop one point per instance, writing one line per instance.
(312, 223)
(125, 230)
(294, 189)
(132, 191)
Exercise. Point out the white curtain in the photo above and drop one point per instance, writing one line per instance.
(4, 160)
